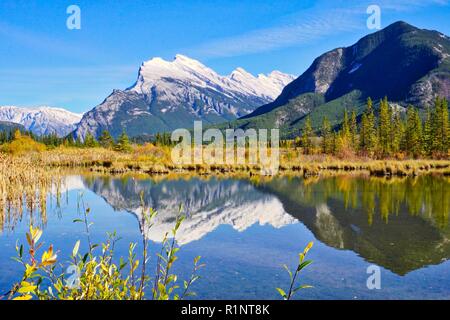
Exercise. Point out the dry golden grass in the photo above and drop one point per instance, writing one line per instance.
(27, 179)
(155, 160)
(24, 184)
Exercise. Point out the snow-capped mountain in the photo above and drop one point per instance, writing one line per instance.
(172, 94)
(158, 72)
(41, 120)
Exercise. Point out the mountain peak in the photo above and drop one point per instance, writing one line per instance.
(401, 26)
(185, 59)
(171, 94)
(41, 120)
(240, 73)
(407, 64)
(178, 60)
(193, 73)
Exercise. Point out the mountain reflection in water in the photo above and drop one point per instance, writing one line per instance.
(400, 224)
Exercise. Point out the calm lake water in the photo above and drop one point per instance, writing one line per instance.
(245, 230)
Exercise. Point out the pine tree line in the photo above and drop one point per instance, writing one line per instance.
(107, 141)
(48, 139)
(390, 133)
(52, 140)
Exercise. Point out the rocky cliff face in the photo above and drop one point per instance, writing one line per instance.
(402, 62)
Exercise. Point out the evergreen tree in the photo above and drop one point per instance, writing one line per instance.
(438, 128)
(70, 141)
(3, 136)
(368, 134)
(106, 140)
(345, 133)
(157, 138)
(123, 143)
(384, 128)
(89, 141)
(363, 143)
(397, 132)
(337, 143)
(435, 126)
(354, 131)
(428, 133)
(413, 136)
(78, 142)
(306, 136)
(372, 127)
(166, 139)
(445, 127)
(327, 137)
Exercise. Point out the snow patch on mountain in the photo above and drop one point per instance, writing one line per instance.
(42, 120)
(173, 94)
(355, 67)
(164, 75)
(266, 211)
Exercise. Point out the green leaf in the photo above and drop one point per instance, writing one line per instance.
(305, 286)
(75, 248)
(288, 271)
(304, 265)
(190, 294)
(282, 293)
(85, 257)
(17, 259)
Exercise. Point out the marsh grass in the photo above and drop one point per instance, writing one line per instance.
(24, 185)
(156, 160)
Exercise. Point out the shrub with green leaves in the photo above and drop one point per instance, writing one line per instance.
(302, 264)
(94, 275)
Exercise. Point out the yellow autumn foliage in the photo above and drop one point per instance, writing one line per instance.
(22, 144)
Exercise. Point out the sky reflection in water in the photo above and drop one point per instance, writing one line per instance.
(246, 229)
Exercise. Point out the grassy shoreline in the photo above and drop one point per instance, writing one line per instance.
(156, 160)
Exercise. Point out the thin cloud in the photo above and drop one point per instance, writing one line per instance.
(410, 5)
(294, 33)
(303, 28)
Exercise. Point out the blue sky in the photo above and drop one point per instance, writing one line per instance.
(44, 63)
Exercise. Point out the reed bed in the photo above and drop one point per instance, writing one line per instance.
(24, 186)
(156, 160)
